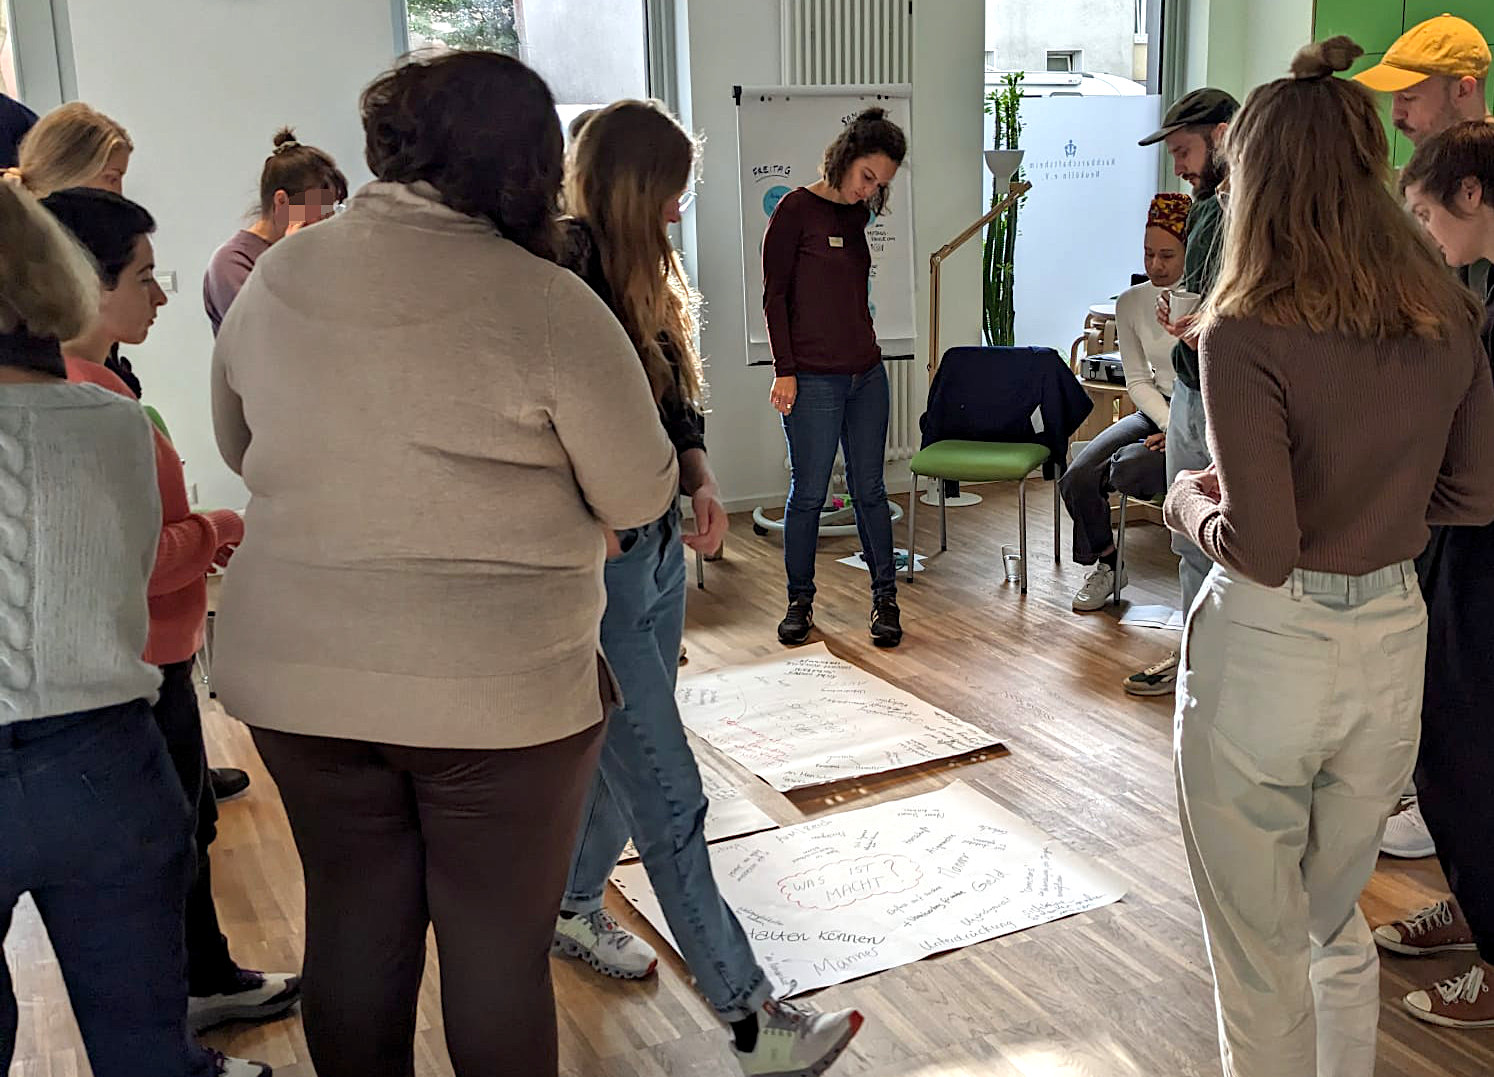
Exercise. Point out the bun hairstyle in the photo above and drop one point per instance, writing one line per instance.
(869, 133)
(295, 169)
(1315, 238)
(49, 291)
(68, 147)
(1322, 59)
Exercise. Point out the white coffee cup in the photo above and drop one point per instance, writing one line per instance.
(1181, 303)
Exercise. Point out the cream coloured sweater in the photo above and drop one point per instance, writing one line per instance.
(435, 426)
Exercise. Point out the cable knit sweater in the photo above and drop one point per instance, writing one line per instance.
(79, 517)
(189, 542)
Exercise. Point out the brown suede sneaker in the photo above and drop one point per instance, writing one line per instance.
(1463, 1002)
(1437, 929)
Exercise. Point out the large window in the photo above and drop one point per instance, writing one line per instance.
(7, 53)
(591, 52)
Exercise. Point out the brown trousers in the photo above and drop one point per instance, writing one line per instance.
(395, 839)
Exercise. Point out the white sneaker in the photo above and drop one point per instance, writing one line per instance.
(254, 996)
(1406, 834)
(796, 1041)
(223, 1066)
(1158, 680)
(1098, 588)
(605, 945)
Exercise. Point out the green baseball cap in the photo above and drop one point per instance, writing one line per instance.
(1205, 106)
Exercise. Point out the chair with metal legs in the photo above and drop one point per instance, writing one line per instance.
(1120, 537)
(982, 461)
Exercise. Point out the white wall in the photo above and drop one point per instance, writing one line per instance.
(1238, 44)
(201, 87)
(738, 44)
(203, 92)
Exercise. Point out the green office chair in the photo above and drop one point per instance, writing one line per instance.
(982, 461)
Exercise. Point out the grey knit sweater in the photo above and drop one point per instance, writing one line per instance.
(79, 519)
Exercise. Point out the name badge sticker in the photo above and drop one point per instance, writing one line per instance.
(837, 241)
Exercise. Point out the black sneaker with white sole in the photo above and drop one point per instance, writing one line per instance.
(796, 623)
(250, 996)
(886, 623)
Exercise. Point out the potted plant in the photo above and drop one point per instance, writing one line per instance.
(998, 260)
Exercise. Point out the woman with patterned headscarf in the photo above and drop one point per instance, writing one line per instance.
(1129, 455)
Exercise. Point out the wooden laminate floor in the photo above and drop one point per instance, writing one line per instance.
(1121, 992)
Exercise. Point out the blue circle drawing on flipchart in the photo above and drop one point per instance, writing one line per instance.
(773, 196)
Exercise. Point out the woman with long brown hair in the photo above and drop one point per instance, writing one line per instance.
(1301, 684)
(629, 175)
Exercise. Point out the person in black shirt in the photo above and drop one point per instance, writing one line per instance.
(627, 180)
(15, 120)
(1449, 187)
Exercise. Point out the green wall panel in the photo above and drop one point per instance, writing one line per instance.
(1372, 23)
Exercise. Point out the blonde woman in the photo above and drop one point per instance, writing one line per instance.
(629, 175)
(96, 827)
(73, 146)
(1301, 684)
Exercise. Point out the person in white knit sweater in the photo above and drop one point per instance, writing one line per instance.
(96, 825)
(1130, 455)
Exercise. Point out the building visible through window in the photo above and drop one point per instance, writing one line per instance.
(591, 53)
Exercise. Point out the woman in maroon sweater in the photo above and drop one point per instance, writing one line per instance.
(828, 381)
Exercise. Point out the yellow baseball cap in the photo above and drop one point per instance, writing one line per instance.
(1446, 45)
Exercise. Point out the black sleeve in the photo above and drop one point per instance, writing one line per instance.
(684, 424)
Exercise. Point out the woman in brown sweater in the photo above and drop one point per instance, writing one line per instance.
(1349, 403)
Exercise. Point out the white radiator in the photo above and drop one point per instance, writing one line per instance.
(856, 42)
(860, 43)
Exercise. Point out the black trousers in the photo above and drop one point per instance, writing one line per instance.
(396, 839)
(1455, 771)
(210, 969)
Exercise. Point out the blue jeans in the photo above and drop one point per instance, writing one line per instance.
(648, 785)
(1188, 450)
(97, 829)
(849, 411)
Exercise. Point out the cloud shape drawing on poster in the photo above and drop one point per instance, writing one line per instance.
(774, 196)
(845, 882)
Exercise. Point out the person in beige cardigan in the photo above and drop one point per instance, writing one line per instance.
(438, 425)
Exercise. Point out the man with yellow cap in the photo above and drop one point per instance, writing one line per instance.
(1437, 73)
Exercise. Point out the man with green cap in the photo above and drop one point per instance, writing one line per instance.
(1437, 74)
(1191, 130)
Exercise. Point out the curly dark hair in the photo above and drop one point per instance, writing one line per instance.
(870, 132)
(481, 128)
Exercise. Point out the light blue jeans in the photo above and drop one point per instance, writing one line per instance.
(1188, 450)
(648, 786)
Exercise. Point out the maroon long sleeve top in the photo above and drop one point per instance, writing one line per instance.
(816, 285)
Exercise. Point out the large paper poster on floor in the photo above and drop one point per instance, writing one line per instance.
(868, 890)
(782, 133)
(809, 718)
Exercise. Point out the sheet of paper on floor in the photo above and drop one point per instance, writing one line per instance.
(1153, 617)
(808, 718)
(731, 812)
(900, 557)
(868, 890)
